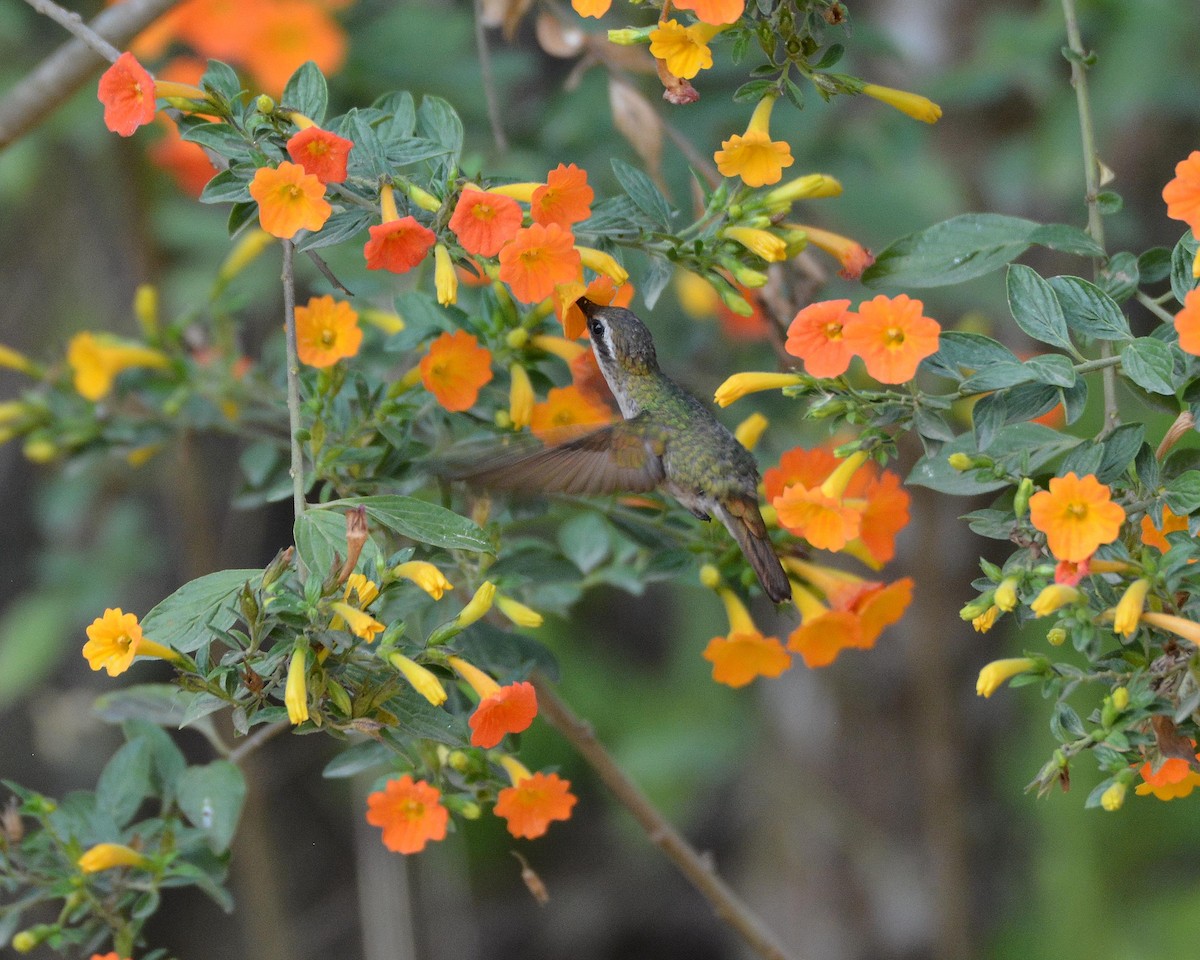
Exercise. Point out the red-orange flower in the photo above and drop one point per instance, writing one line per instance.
(1153, 536)
(538, 259)
(565, 198)
(602, 290)
(893, 336)
(566, 413)
(809, 467)
(398, 245)
(1174, 778)
(533, 802)
(591, 8)
(326, 331)
(484, 222)
(322, 153)
(714, 11)
(289, 200)
(1187, 322)
(852, 255)
(510, 709)
(1077, 516)
(455, 368)
(739, 657)
(410, 813)
(127, 92)
(1182, 194)
(815, 336)
(823, 520)
(823, 633)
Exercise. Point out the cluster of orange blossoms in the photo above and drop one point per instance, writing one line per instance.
(1182, 195)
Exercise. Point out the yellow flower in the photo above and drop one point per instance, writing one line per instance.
(986, 620)
(683, 49)
(603, 263)
(389, 323)
(479, 681)
(423, 680)
(741, 384)
(913, 104)
(809, 187)
(478, 605)
(520, 398)
(425, 575)
(362, 625)
(1130, 606)
(145, 308)
(96, 359)
(445, 279)
(367, 590)
(1188, 629)
(1053, 597)
(763, 243)
(105, 856)
(996, 672)
(14, 360)
(750, 430)
(1006, 593)
(695, 295)
(295, 692)
(1113, 798)
(754, 156)
(115, 639)
(245, 253)
(518, 613)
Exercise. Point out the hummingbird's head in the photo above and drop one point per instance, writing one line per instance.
(620, 340)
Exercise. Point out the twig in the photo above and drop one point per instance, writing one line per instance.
(489, 82)
(72, 22)
(257, 739)
(327, 273)
(63, 72)
(693, 865)
(293, 376)
(1153, 306)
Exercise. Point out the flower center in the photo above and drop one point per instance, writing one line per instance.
(328, 337)
(1077, 511)
(894, 336)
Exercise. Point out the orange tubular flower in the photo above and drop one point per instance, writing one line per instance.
(510, 709)
(410, 813)
(1156, 537)
(852, 255)
(753, 155)
(877, 605)
(744, 653)
(822, 520)
(289, 200)
(455, 369)
(321, 153)
(399, 243)
(564, 199)
(566, 413)
(533, 800)
(484, 221)
(128, 94)
(538, 259)
(326, 331)
(602, 290)
(815, 336)
(683, 49)
(1182, 195)
(1187, 322)
(591, 8)
(823, 633)
(892, 336)
(714, 11)
(1173, 779)
(1077, 516)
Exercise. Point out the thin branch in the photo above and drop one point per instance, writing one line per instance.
(72, 22)
(67, 69)
(692, 864)
(257, 739)
(293, 376)
(327, 273)
(1153, 306)
(495, 117)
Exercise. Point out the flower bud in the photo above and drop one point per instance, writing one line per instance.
(1021, 499)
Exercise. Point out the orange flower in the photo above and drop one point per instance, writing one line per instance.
(586, 375)
(1187, 321)
(533, 801)
(455, 368)
(740, 657)
(398, 243)
(326, 331)
(566, 413)
(852, 255)
(510, 709)
(220, 28)
(185, 161)
(537, 259)
(410, 813)
(823, 633)
(1173, 779)
(892, 336)
(815, 336)
(1182, 194)
(1077, 516)
(808, 467)
(127, 92)
(564, 199)
(884, 515)
(591, 8)
(289, 200)
(283, 35)
(875, 605)
(111, 955)
(484, 222)
(753, 155)
(714, 11)
(823, 520)
(321, 153)
(1153, 536)
(602, 290)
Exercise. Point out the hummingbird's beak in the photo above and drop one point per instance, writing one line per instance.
(588, 307)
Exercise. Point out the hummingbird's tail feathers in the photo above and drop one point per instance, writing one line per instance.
(744, 521)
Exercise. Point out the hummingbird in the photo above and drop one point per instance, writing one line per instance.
(668, 440)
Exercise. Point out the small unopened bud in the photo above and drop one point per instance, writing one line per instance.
(1021, 498)
(1114, 797)
(1056, 636)
(264, 104)
(960, 462)
(517, 338)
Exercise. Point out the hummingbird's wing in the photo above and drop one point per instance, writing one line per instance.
(626, 457)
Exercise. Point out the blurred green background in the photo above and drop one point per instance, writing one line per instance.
(873, 809)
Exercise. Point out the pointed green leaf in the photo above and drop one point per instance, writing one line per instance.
(1182, 259)
(197, 611)
(307, 92)
(643, 192)
(1150, 364)
(1035, 307)
(416, 519)
(1089, 310)
(125, 781)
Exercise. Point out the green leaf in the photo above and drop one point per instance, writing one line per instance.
(1182, 494)
(438, 121)
(1154, 265)
(163, 704)
(1083, 460)
(1120, 447)
(506, 653)
(417, 520)
(962, 354)
(340, 227)
(1119, 278)
(240, 214)
(1026, 446)
(1089, 310)
(226, 187)
(125, 781)
(222, 78)
(211, 797)
(401, 112)
(1053, 369)
(643, 192)
(368, 152)
(1108, 203)
(996, 376)
(307, 92)
(1182, 259)
(418, 718)
(655, 278)
(320, 538)
(166, 759)
(1065, 239)
(753, 90)
(584, 540)
(197, 611)
(1150, 364)
(34, 633)
(220, 137)
(356, 759)
(1035, 307)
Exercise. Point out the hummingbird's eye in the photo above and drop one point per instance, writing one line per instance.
(596, 327)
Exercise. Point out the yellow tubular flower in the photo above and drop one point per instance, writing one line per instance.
(425, 575)
(998, 671)
(387, 204)
(516, 770)
(1006, 593)
(518, 613)
(835, 484)
(362, 625)
(741, 384)
(561, 347)
(423, 681)
(478, 681)
(367, 590)
(520, 397)
(145, 309)
(518, 191)
(423, 198)
(445, 279)
(105, 856)
(739, 617)
(810, 187)
(1114, 797)
(478, 605)
(1129, 608)
(295, 692)
(386, 321)
(1053, 597)
(245, 253)
(986, 620)
(750, 430)
(762, 243)
(1188, 629)
(96, 359)
(14, 360)
(604, 263)
(913, 104)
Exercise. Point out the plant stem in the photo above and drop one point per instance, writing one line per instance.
(1091, 178)
(73, 23)
(1154, 307)
(495, 116)
(293, 376)
(696, 867)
